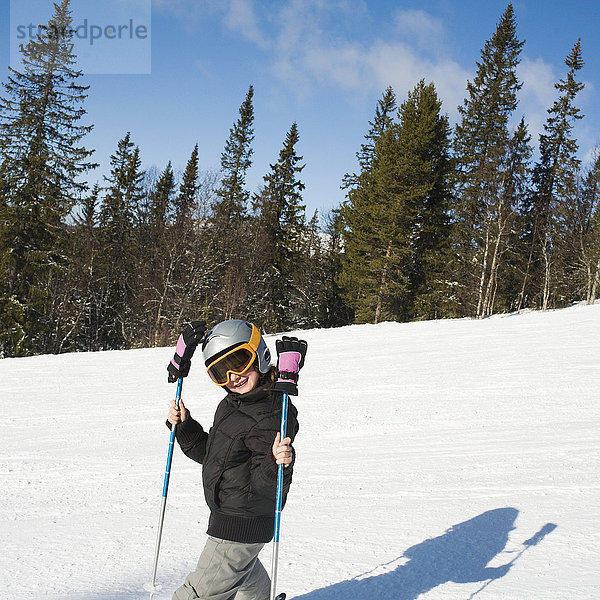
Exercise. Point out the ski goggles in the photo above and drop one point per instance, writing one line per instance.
(234, 362)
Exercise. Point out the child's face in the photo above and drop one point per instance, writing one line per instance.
(246, 382)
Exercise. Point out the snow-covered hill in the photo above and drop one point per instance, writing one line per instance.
(445, 459)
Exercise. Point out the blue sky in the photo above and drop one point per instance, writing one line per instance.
(320, 63)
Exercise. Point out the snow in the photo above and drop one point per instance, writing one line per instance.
(450, 459)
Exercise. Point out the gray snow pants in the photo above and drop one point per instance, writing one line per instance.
(227, 570)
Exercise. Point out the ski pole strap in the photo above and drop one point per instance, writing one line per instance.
(287, 376)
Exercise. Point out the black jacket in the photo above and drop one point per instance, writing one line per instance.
(239, 472)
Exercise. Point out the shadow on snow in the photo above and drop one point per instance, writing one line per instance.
(460, 555)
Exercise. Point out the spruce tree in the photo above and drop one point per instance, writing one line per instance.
(482, 141)
(236, 159)
(396, 218)
(282, 217)
(310, 276)
(506, 257)
(156, 268)
(196, 261)
(427, 176)
(361, 217)
(124, 193)
(384, 117)
(41, 159)
(161, 201)
(89, 254)
(333, 310)
(555, 188)
(185, 201)
(229, 233)
(81, 299)
(376, 241)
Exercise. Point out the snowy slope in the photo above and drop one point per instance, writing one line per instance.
(445, 459)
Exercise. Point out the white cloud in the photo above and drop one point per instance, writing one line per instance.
(189, 12)
(241, 17)
(308, 53)
(366, 70)
(181, 8)
(237, 15)
(538, 80)
(340, 65)
(399, 66)
(420, 27)
(537, 94)
(309, 44)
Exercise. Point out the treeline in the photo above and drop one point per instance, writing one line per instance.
(442, 223)
(436, 223)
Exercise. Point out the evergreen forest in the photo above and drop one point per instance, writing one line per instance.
(438, 221)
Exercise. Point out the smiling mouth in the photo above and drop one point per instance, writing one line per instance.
(240, 383)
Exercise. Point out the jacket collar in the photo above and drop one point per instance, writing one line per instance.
(256, 394)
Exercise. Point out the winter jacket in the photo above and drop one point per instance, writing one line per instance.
(239, 472)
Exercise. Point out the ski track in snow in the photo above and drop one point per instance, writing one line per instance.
(451, 460)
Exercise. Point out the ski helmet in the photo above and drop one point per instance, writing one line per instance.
(232, 347)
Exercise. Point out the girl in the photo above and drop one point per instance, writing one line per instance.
(239, 454)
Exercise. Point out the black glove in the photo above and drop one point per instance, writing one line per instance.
(186, 344)
(290, 359)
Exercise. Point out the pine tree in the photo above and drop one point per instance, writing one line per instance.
(41, 159)
(89, 252)
(361, 216)
(236, 159)
(333, 311)
(396, 218)
(482, 141)
(196, 260)
(161, 201)
(427, 172)
(555, 189)
(229, 233)
(384, 117)
(124, 193)
(81, 292)
(185, 201)
(310, 277)
(157, 266)
(282, 217)
(506, 255)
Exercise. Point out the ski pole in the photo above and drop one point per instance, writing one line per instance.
(278, 502)
(152, 587)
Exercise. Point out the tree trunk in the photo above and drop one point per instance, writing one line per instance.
(486, 251)
(382, 282)
(159, 311)
(595, 285)
(490, 293)
(546, 291)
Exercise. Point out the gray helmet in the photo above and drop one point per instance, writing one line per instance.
(228, 335)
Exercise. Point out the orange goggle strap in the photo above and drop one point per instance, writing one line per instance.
(251, 346)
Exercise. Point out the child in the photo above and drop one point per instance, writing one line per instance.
(239, 454)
